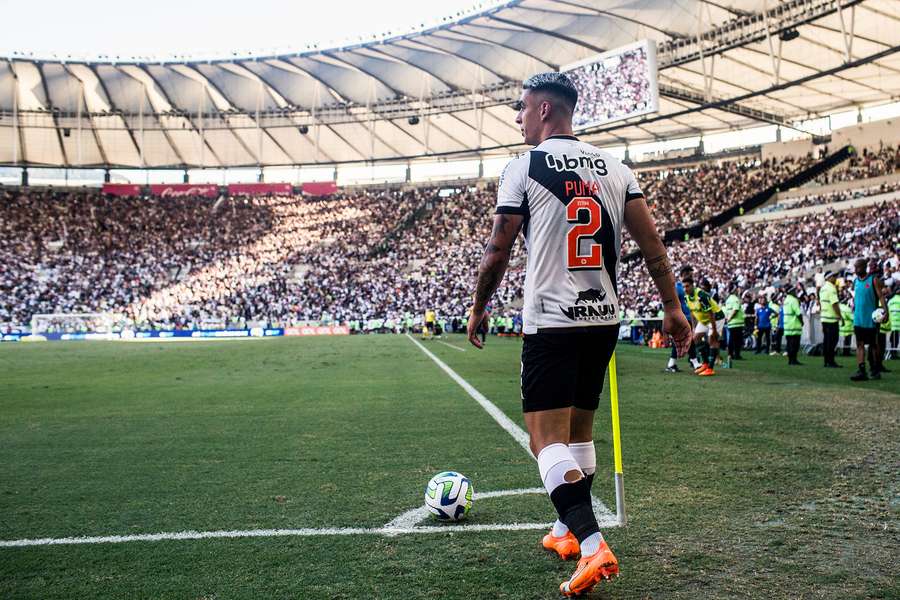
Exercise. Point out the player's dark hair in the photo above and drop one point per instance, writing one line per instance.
(687, 279)
(555, 83)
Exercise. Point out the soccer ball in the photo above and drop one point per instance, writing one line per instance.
(878, 315)
(448, 496)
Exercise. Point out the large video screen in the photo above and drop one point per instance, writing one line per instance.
(615, 85)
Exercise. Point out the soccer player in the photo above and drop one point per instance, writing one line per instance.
(672, 366)
(867, 295)
(710, 321)
(430, 320)
(571, 201)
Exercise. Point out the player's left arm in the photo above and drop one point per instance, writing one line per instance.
(493, 267)
(642, 229)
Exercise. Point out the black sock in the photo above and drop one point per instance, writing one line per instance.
(862, 367)
(713, 355)
(573, 505)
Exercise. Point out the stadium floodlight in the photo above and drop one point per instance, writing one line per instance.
(75, 323)
(788, 35)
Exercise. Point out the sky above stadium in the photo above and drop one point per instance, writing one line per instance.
(168, 28)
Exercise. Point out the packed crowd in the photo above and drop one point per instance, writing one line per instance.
(613, 88)
(178, 262)
(366, 254)
(682, 197)
(195, 262)
(832, 197)
(754, 255)
(431, 264)
(868, 163)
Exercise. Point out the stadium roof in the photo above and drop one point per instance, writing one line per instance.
(724, 64)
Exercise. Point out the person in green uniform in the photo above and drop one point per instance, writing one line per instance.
(894, 312)
(830, 312)
(793, 323)
(777, 329)
(735, 317)
(884, 331)
(846, 329)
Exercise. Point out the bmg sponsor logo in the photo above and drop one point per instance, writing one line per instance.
(564, 163)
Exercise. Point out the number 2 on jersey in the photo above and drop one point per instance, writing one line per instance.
(594, 258)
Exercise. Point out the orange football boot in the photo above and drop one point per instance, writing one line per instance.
(590, 571)
(565, 545)
(701, 368)
(707, 372)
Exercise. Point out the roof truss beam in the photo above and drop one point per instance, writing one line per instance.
(747, 30)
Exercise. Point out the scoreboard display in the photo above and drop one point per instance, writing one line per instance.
(615, 85)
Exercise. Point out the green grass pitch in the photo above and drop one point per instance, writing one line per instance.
(763, 482)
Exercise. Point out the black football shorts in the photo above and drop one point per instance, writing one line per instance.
(566, 367)
(865, 335)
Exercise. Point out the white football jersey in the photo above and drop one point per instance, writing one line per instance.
(573, 197)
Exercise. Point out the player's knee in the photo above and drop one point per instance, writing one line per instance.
(573, 476)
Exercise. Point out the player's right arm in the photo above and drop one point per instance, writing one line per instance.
(512, 208)
(492, 268)
(642, 228)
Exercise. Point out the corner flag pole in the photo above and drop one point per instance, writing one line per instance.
(617, 440)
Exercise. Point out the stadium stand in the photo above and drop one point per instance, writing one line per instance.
(757, 255)
(369, 253)
(682, 197)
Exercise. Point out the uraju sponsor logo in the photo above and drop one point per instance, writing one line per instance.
(589, 306)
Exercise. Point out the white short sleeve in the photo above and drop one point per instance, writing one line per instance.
(511, 195)
(632, 189)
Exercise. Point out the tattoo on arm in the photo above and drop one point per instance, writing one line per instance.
(494, 262)
(661, 271)
(659, 266)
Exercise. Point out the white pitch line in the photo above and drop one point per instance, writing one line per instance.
(405, 524)
(415, 515)
(266, 533)
(452, 346)
(402, 525)
(604, 515)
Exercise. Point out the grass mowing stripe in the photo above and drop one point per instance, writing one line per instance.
(604, 516)
(498, 415)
